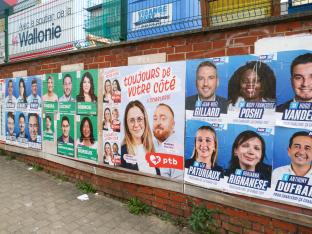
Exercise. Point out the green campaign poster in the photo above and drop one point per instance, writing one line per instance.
(48, 127)
(49, 97)
(67, 91)
(65, 135)
(87, 92)
(87, 138)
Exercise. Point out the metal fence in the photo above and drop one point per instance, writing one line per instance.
(36, 28)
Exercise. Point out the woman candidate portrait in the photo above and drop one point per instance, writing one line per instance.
(107, 122)
(50, 96)
(48, 125)
(115, 120)
(22, 98)
(205, 149)
(86, 90)
(86, 134)
(107, 98)
(138, 139)
(116, 96)
(108, 158)
(253, 82)
(248, 153)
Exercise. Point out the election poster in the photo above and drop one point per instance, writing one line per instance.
(294, 93)
(87, 92)
(23, 93)
(206, 89)
(34, 129)
(10, 94)
(249, 155)
(67, 91)
(87, 138)
(292, 174)
(111, 120)
(49, 126)
(204, 143)
(153, 132)
(252, 89)
(34, 93)
(11, 127)
(22, 134)
(65, 135)
(2, 111)
(50, 84)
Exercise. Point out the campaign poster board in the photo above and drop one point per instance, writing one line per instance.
(87, 138)
(50, 84)
(111, 119)
(151, 106)
(87, 92)
(2, 111)
(65, 135)
(67, 91)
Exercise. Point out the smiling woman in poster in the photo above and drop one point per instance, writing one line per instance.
(138, 139)
(205, 149)
(107, 122)
(86, 91)
(253, 82)
(248, 153)
(107, 98)
(108, 158)
(50, 96)
(86, 134)
(22, 92)
(116, 92)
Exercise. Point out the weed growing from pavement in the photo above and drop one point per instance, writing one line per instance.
(9, 157)
(37, 167)
(62, 178)
(85, 187)
(137, 207)
(202, 220)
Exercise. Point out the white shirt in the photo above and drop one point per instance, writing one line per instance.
(141, 161)
(280, 171)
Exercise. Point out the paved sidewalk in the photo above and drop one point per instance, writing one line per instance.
(36, 202)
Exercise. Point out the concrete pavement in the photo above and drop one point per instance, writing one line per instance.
(36, 202)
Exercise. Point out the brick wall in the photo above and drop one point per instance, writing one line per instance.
(235, 41)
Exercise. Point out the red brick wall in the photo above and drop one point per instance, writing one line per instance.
(200, 45)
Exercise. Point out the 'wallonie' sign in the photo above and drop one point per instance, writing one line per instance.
(45, 29)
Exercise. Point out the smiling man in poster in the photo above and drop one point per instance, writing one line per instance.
(300, 153)
(34, 99)
(165, 139)
(301, 81)
(207, 82)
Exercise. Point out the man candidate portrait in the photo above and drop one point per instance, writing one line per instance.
(207, 82)
(34, 99)
(65, 137)
(33, 127)
(67, 89)
(10, 100)
(165, 137)
(301, 81)
(300, 154)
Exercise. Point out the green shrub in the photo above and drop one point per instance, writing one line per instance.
(37, 167)
(85, 187)
(62, 177)
(137, 207)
